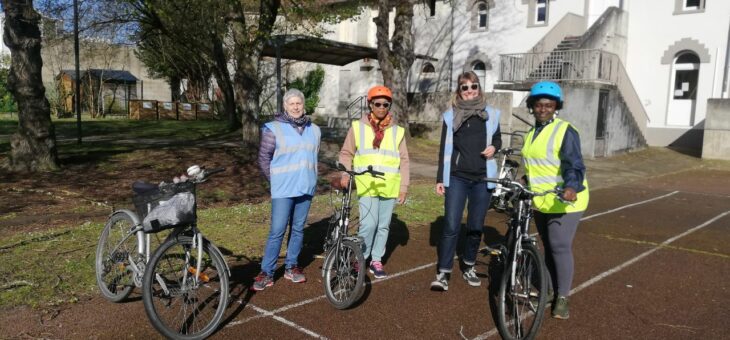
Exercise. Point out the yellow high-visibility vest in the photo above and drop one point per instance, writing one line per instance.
(542, 165)
(386, 159)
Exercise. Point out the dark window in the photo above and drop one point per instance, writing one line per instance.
(688, 58)
(685, 84)
(687, 72)
(692, 4)
(428, 68)
(483, 15)
(478, 66)
(541, 11)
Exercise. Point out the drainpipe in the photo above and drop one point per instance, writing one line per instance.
(726, 71)
(451, 49)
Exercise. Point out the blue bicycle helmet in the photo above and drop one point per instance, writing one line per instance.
(545, 89)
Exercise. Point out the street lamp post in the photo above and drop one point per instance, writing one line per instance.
(77, 95)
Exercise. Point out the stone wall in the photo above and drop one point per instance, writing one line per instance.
(717, 130)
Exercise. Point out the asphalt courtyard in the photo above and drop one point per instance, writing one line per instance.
(651, 255)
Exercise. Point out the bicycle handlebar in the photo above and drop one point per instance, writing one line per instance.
(369, 170)
(509, 151)
(517, 186)
(205, 174)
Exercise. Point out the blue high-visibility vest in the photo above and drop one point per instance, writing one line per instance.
(294, 165)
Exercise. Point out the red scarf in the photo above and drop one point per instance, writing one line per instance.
(379, 127)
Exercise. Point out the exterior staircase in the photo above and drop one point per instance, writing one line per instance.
(552, 66)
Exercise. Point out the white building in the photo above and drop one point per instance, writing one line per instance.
(636, 71)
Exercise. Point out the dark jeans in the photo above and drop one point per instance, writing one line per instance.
(460, 191)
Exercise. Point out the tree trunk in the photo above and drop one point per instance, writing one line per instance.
(396, 58)
(224, 82)
(174, 88)
(33, 147)
(248, 51)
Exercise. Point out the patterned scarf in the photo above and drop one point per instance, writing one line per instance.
(379, 127)
(297, 123)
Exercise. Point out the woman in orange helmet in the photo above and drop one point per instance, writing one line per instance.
(375, 140)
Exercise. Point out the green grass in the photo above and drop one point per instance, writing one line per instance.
(57, 266)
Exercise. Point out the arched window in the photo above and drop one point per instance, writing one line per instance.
(683, 89)
(480, 68)
(482, 15)
(479, 10)
(686, 73)
(428, 69)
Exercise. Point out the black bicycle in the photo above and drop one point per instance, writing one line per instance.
(523, 288)
(344, 265)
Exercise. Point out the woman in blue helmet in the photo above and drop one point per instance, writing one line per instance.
(552, 158)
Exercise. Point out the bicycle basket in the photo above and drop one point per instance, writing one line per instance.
(167, 206)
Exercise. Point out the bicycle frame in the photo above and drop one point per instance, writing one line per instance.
(519, 230)
(343, 221)
(198, 241)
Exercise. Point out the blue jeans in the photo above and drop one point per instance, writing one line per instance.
(284, 210)
(375, 214)
(460, 191)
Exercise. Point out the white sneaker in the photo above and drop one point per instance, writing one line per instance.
(470, 275)
(441, 283)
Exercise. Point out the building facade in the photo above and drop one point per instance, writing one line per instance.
(656, 61)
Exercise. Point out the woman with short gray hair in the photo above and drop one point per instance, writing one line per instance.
(288, 160)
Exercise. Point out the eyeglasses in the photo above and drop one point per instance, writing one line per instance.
(383, 105)
(465, 87)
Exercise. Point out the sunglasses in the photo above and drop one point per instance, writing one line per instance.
(383, 105)
(465, 87)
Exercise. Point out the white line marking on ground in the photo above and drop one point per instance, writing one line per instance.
(287, 322)
(628, 206)
(264, 313)
(613, 270)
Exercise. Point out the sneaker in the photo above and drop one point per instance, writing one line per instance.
(470, 275)
(441, 283)
(376, 268)
(262, 281)
(295, 274)
(560, 308)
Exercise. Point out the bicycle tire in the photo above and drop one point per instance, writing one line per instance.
(114, 274)
(185, 312)
(520, 311)
(344, 275)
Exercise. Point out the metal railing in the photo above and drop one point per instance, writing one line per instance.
(595, 66)
(355, 108)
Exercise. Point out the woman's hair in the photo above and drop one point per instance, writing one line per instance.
(293, 93)
(470, 76)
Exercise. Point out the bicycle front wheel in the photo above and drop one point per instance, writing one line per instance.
(522, 301)
(179, 305)
(344, 275)
(115, 253)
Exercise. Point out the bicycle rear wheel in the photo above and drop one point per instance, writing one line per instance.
(115, 252)
(344, 275)
(521, 304)
(179, 306)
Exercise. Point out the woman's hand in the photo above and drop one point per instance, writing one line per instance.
(489, 152)
(402, 198)
(569, 194)
(440, 189)
(344, 180)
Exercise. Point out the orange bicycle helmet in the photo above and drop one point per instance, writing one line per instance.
(379, 91)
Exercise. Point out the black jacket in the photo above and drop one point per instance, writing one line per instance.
(469, 141)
